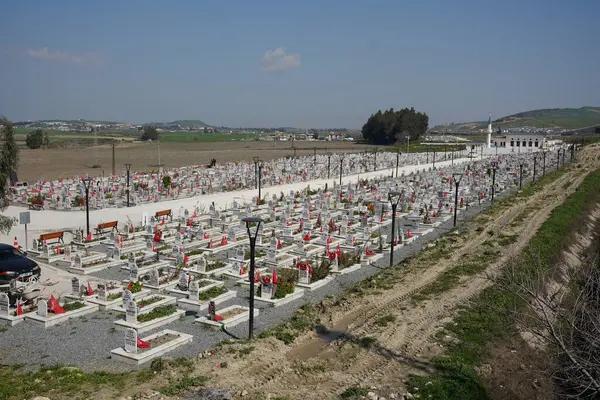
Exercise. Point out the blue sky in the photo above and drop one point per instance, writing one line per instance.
(303, 63)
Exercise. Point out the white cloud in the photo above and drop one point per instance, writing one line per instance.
(46, 55)
(278, 60)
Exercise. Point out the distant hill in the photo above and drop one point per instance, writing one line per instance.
(189, 123)
(547, 118)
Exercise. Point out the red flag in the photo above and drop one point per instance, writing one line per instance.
(205, 236)
(339, 251)
(210, 244)
(275, 278)
(369, 252)
(55, 306)
(129, 286)
(89, 237)
(408, 234)
(58, 249)
(90, 291)
(307, 236)
(19, 308)
(142, 344)
(218, 318)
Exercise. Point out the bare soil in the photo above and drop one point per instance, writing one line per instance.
(322, 366)
(67, 162)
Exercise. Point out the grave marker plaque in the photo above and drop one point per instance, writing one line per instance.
(133, 272)
(42, 308)
(127, 296)
(75, 286)
(131, 341)
(183, 281)
(131, 311)
(154, 278)
(202, 264)
(194, 291)
(102, 292)
(4, 304)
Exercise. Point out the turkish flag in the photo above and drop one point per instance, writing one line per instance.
(19, 308)
(142, 344)
(275, 278)
(55, 306)
(90, 291)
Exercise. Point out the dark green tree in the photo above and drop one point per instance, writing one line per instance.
(35, 139)
(389, 127)
(9, 160)
(150, 133)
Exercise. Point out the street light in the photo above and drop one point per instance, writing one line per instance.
(328, 163)
(87, 182)
(558, 160)
(128, 166)
(260, 167)
(544, 163)
(375, 160)
(255, 171)
(341, 168)
(520, 174)
(249, 222)
(397, 161)
(494, 167)
(434, 159)
(456, 177)
(394, 198)
(315, 156)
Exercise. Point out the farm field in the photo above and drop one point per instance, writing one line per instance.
(68, 161)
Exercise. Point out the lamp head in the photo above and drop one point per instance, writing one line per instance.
(457, 177)
(255, 158)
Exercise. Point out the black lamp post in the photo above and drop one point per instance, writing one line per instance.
(520, 174)
(534, 166)
(563, 157)
(87, 183)
(328, 163)
(434, 159)
(427, 149)
(128, 166)
(341, 169)
(544, 163)
(558, 160)
(397, 161)
(260, 167)
(315, 156)
(494, 167)
(252, 234)
(456, 178)
(255, 172)
(453, 157)
(394, 198)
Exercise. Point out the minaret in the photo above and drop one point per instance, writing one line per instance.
(489, 137)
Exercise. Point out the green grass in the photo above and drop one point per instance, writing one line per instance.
(385, 320)
(185, 383)
(481, 323)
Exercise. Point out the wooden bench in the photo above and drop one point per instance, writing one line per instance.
(164, 213)
(106, 225)
(50, 236)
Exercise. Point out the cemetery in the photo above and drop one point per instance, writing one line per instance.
(169, 273)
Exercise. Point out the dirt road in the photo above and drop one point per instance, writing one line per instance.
(381, 332)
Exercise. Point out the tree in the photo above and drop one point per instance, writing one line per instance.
(389, 127)
(35, 139)
(9, 159)
(150, 133)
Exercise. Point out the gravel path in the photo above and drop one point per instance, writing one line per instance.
(86, 342)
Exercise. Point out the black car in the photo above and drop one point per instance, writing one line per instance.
(15, 264)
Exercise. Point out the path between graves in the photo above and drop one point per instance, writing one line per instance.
(362, 350)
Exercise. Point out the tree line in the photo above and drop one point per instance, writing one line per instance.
(390, 127)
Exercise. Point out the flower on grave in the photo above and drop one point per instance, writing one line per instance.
(266, 280)
(331, 225)
(305, 266)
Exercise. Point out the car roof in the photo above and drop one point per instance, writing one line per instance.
(4, 246)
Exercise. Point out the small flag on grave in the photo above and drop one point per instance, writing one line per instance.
(90, 291)
(142, 344)
(55, 306)
(19, 308)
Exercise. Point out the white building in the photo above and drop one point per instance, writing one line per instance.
(515, 142)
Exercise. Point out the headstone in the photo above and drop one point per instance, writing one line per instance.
(272, 254)
(303, 276)
(212, 311)
(102, 292)
(130, 260)
(239, 254)
(127, 296)
(131, 312)
(144, 219)
(183, 281)
(202, 264)
(154, 279)
(180, 258)
(194, 291)
(266, 291)
(131, 341)
(4, 304)
(273, 244)
(231, 236)
(133, 272)
(42, 308)
(75, 286)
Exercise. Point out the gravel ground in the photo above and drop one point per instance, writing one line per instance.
(86, 342)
